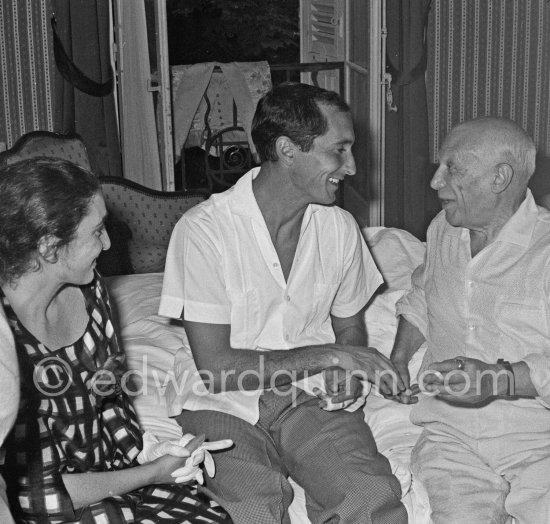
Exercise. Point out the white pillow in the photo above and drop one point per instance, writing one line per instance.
(397, 254)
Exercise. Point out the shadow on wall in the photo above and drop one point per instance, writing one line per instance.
(540, 181)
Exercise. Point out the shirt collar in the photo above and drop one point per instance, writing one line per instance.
(517, 230)
(243, 201)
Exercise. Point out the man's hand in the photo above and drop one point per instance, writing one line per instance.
(409, 394)
(463, 380)
(369, 364)
(342, 389)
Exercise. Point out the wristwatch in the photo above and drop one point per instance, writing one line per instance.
(510, 377)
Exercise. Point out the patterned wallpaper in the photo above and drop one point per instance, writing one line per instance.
(489, 57)
(26, 62)
(484, 57)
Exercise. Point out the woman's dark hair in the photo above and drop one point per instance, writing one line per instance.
(39, 197)
(293, 110)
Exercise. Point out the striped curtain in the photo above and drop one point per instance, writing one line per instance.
(27, 66)
(489, 57)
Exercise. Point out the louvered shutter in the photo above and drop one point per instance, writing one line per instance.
(322, 30)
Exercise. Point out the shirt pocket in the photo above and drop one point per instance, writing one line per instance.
(523, 325)
(245, 318)
(323, 297)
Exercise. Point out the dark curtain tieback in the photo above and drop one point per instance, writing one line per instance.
(70, 72)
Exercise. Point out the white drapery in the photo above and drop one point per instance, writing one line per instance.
(140, 150)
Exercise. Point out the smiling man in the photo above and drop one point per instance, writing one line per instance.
(270, 279)
(481, 300)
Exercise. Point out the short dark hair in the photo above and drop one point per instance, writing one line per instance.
(39, 197)
(294, 110)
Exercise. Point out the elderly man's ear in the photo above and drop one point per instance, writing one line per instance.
(48, 247)
(503, 177)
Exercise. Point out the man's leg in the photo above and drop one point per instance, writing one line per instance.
(333, 456)
(527, 468)
(250, 483)
(461, 487)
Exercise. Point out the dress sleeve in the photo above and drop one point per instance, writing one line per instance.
(33, 465)
(117, 412)
(9, 377)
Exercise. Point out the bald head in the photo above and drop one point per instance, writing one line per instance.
(500, 140)
(484, 168)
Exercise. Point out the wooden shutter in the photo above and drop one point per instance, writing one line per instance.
(322, 30)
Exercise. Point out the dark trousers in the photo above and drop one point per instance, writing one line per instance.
(332, 455)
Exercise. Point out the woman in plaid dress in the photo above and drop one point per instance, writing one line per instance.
(72, 454)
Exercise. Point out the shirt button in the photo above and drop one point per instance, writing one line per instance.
(471, 327)
(287, 298)
(287, 336)
(470, 283)
(275, 264)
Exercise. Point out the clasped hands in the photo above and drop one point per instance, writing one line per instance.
(346, 380)
(194, 448)
(459, 380)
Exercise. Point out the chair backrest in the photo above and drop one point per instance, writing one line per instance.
(148, 216)
(47, 144)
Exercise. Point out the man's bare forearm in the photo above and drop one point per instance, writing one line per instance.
(407, 341)
(246, 369)
(224, 368)
(350, 331)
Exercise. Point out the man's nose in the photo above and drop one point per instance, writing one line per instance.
(439, 180)
(350, 167)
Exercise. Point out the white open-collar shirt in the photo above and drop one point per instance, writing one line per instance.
(222, 268)
(495, 305)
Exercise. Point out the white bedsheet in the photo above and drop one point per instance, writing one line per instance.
(151, 343)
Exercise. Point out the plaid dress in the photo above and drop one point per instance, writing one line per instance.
(65, 426)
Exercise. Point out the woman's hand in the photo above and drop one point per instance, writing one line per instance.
(163, 467)
(181, 460)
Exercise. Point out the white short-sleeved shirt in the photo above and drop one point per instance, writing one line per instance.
(222, 268)
(495, 305)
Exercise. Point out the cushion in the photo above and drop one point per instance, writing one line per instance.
(397, 253)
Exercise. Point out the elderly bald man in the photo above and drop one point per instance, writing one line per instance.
(481, 301)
